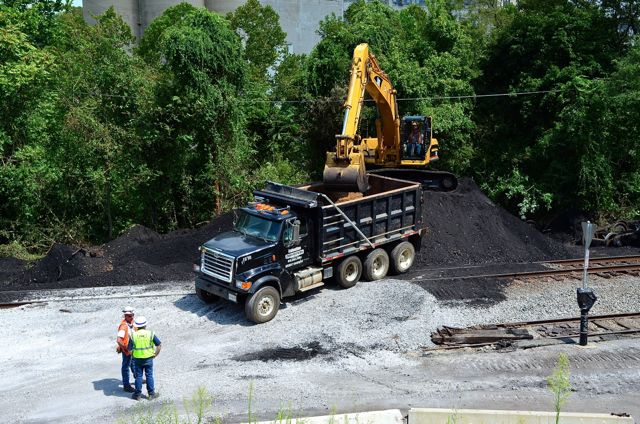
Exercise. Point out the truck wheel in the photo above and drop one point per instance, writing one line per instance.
(263, 305)
(402, 257)
(349, 272)
(376, 265)
(206, 297)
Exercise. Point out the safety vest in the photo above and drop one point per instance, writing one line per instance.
(143, 346)
(125, 328)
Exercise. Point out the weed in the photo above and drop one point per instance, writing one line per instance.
(559, 383)
(196, 409)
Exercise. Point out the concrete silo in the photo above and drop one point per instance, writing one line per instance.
(138, 14)
(298, 18)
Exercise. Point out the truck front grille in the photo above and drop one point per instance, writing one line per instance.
(217, 265)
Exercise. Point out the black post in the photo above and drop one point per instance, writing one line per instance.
(586, 299)
(584, 327)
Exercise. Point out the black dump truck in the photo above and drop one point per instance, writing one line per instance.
(293, 239)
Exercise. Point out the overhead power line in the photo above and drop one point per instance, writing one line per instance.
(403, 99)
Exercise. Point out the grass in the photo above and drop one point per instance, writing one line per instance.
(16, 250)
(197, 408)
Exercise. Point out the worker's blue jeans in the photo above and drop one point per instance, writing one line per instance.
(146, 366)
(127, 364)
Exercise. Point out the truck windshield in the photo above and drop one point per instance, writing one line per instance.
(258, 227)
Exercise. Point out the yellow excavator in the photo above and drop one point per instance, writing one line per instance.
(403, 147)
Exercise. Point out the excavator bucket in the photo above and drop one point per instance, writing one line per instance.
(345, 175)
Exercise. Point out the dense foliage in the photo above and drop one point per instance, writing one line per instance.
(99, 131)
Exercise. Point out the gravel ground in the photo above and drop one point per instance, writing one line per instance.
(351, 350)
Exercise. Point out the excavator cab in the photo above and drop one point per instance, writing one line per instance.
(418, 147)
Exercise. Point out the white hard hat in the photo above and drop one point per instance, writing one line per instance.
(140, 322)
(127, 310)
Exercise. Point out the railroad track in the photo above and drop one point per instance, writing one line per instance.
(604, 267)
(600, 327)
(17, 298)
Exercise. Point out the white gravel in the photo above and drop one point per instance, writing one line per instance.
(62, 367)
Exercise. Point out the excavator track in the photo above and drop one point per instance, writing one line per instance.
(430, 180)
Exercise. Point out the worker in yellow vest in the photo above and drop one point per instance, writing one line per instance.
(145, 346)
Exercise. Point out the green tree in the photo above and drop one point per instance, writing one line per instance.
(25, 79)
(600, 129)
(273, 127)
(75, 169)
(198, 126)
(38, 19)
(263, 38)
(149, 46)
(553, 46)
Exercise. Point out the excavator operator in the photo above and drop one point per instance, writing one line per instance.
(415, 143)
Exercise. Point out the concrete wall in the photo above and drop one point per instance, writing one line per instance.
(487, 416)
(298, 18)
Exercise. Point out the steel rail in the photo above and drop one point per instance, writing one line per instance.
(597, 259)
(541, 273)
(561, 320)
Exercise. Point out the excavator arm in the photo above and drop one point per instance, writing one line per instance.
(345, 168)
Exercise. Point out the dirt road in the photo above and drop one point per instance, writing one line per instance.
(350, 350)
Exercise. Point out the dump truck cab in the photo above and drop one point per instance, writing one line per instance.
(266, 242)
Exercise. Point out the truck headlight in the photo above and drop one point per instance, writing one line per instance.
(196, 267)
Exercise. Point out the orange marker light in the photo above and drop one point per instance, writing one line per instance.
(246, 285)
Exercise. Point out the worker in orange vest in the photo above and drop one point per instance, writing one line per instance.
(124, 333)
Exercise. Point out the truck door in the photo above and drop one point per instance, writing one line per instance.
(297, 249)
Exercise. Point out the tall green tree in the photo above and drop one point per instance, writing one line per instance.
(273, 126)
(149, 46)
(552, 46)
(198, 126)
(261, 34)
(38, 19)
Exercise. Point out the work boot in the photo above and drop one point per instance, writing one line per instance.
(153, 395)
(135, 397)
(128, 388)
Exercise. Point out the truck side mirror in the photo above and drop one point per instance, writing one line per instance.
(296, 232)
(292, 233)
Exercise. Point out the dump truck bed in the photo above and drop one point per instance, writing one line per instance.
(390, 210)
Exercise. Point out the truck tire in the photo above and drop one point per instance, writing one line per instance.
(349, 272)
(402, 257)
(206, 297)
(376, 265)
(263, 305)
